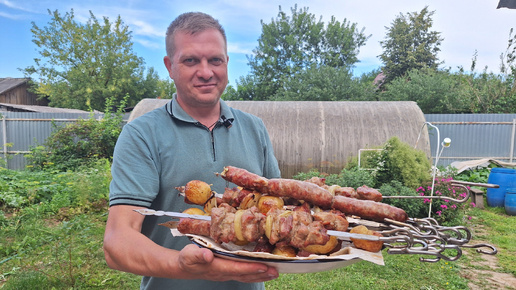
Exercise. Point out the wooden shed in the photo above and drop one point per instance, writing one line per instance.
(16, 91)
(325, 135)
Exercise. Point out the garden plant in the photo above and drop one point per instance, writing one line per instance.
(52, 223)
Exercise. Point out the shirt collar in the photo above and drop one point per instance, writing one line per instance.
(180, 114)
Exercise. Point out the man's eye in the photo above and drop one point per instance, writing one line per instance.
(217, 61)
(189, 61)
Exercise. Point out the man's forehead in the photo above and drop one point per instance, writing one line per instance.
(186, 41)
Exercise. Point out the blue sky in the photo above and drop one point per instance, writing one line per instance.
(466, 25)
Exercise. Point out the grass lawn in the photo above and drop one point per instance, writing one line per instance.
(64, 252)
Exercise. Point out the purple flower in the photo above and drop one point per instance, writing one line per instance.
(453, 206)
(438, 212)
(473, 204)
(444, 206)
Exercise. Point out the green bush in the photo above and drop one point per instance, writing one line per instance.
(415, 208)
(347, 177)
(78, 144)
(399, 161)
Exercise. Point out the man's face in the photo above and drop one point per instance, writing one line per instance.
(199, 67)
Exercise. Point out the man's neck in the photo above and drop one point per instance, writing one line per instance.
(206, 115)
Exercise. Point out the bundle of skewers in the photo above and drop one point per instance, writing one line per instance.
(295, 218)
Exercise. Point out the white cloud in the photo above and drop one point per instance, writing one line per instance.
(242, 48)
(148, 43)
(141, 27)
(11, 16)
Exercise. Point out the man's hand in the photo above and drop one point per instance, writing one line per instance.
(202, 263)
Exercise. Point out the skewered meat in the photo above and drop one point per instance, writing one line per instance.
(297, 228)
(244, 178)
(362, 192)
(332, 220)
(320, 181)
(300, 190)
(263, 245)
(368, 193)
(197, 227)
(222, 228)
(368, 209)
(294, 228)
(313, 194)
(344, 191)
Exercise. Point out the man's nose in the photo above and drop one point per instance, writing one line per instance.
(204, 72)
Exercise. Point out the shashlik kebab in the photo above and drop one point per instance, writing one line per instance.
(280, 228)
(313, 194)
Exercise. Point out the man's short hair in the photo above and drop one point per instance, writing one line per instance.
(191, 22)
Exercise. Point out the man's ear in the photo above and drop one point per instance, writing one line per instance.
(168, 65)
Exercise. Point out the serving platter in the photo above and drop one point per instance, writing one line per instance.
(348, 255)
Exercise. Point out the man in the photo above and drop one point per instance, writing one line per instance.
(192, 137)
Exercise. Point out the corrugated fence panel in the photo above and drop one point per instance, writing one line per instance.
(474, 136)
(26, 130)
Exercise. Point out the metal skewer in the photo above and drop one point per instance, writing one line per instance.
(414, 237)
(338, 234)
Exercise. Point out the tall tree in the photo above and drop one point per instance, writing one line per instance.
(410, 44)
(82, 65)
(290, 45)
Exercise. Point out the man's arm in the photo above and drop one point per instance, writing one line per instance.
(127, 249)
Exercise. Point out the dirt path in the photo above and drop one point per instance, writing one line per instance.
(482, 269)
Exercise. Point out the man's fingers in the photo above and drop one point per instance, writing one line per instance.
(192, 255)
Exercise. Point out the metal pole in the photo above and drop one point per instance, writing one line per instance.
(434, 170)
(512, 140)
(4, 141)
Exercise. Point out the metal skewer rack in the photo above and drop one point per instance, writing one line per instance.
(425, 237)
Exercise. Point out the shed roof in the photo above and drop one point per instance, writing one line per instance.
(7, 84)
(37, 109)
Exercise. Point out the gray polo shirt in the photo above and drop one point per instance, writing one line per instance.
(166, 148)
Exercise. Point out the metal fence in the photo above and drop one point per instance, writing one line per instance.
(474, 136)
(21, 131)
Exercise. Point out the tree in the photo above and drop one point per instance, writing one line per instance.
(410, 44)
(290, 45)
(166, 89)
(434, 91)
(82, 65)
(323, 83)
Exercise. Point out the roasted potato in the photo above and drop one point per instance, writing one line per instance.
(197, 192)
(194, 210)
(285, 251)
(323, 249)
(371, 246)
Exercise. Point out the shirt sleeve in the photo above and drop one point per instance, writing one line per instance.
(134, 171)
